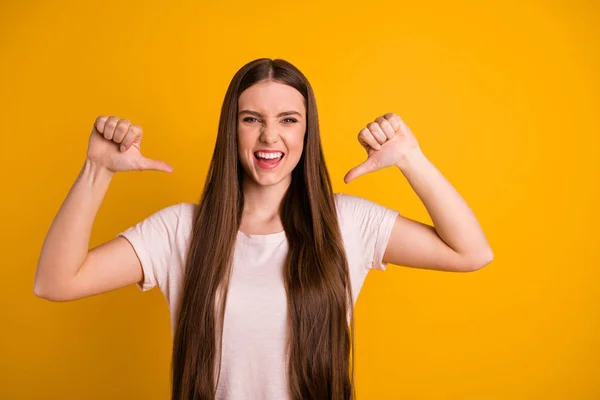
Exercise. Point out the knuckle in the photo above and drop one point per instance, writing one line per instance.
(100, 122)
(372, 125)
(111, 123)
(109, 127)
(123, 125)
(131, 137)
(135, 129)
(100, 119)
(387, 124)
(393, 119)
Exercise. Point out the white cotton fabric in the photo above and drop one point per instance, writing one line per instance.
(253, 363)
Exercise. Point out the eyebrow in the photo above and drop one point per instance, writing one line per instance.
(291, 112)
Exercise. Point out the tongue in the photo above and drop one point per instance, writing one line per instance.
(271, 160)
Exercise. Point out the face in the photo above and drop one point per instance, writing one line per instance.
(271, 129)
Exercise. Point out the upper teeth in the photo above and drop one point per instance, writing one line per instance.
(269, 155)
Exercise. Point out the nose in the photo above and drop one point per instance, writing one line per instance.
(269, 134)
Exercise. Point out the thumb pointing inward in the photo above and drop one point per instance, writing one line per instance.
(359, 170)
(155, 165)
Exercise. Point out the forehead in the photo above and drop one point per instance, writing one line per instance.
(271, 97)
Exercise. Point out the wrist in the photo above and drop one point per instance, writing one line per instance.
(411, 160)
(96, 171)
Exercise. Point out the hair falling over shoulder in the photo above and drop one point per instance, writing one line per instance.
(316, 275)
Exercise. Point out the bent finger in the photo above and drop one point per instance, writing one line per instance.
(366, 139)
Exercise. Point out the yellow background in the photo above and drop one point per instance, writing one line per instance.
(503, 98)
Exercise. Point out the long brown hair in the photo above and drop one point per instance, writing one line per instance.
(316, 276)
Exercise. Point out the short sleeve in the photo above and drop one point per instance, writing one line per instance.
(369, 225)
(153, 240)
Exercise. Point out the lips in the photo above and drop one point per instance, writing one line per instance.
(268, 164)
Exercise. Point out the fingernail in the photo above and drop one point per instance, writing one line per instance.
(122, 147)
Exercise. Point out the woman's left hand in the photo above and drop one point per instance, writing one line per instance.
(388, 141)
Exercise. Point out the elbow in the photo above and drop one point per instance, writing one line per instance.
(43, 293)
(38, 291)
(487, 260)
(52, 288)
(480, 261)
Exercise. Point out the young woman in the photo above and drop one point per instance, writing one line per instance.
(262, 275)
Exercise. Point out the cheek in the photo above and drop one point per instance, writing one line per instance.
(243, 144)
(242, 137)
(245, 141)
(295, 140)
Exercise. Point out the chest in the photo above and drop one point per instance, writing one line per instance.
(256, 310)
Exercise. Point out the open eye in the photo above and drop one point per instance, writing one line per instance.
(247, 118)
(291, 119)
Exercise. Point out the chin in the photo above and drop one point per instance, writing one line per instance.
(270, 180)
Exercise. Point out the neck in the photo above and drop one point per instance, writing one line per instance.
(262, 202)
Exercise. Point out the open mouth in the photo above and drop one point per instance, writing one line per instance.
(268, 160)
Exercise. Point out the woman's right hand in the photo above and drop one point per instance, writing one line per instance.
(115, 144)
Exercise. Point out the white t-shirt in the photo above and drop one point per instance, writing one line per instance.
(253, 364)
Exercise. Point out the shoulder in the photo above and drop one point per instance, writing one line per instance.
(350, 209)
(185, 215)
(172, 214)
(168, 220)
(351, 204)
(366, 227)
(359, 212)
(178, 211)
(187, 210)
(344, 201)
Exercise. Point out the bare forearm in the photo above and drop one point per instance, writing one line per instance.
(66, 244)
(453, 220)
